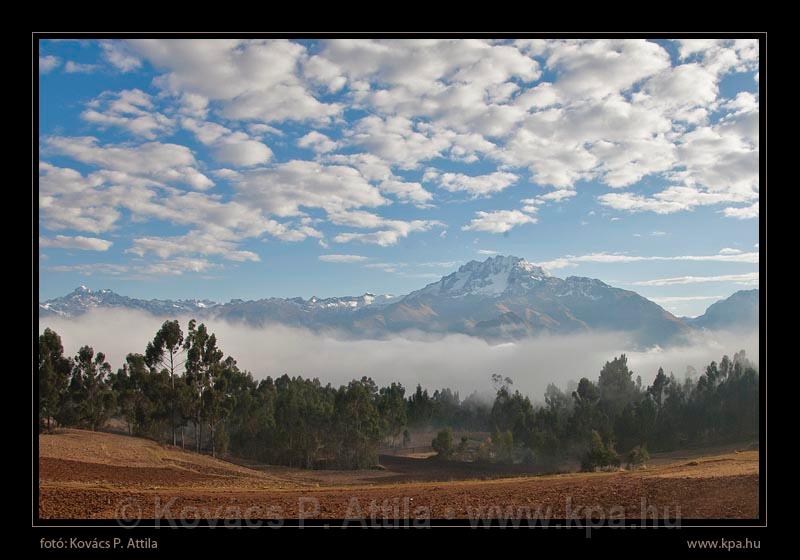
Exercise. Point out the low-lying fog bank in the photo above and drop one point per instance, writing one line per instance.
(460, 362)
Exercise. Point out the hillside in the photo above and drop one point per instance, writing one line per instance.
(737, 312)
(101, 476)
(116, 461)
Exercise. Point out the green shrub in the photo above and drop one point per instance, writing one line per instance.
(443, 443)
(637, 457)
(599, 454)
(503, 444)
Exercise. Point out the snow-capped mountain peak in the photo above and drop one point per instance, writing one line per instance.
(501, 298)
(83, 299)
(580, 286)
(493, 277)
(346, 302)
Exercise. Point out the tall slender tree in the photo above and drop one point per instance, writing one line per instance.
(91, 388)
(657, 388)
(202, 356)
(616, 385)
(54, 376)
(165, 352)
(392, 408)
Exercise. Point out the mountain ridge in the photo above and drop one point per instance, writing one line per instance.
(738, 311)
(501, 298)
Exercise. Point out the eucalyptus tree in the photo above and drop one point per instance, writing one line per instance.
(616, 385)
(392, 408)
(141, 395)
(202, 357)
(54, 376)
(91, 390)
(357, 424)
(218, 401)
(166, 352)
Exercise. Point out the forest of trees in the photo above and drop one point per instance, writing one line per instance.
(617, 414)
(183, 391)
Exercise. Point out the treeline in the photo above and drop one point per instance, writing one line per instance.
(618, 419)
(182, 390)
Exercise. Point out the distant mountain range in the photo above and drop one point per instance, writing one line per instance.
(501, 298)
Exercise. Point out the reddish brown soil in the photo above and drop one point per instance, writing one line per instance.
(93, 475)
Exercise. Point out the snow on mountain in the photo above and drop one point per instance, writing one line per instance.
(82, 299)
(492, 277)
(501, 298)
(345, 303)
(579, 286)
(506, 297)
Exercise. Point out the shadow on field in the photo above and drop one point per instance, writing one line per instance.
(407, 469)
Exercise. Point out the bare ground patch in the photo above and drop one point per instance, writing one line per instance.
(90, 475)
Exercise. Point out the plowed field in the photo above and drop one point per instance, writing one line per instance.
(84, 475)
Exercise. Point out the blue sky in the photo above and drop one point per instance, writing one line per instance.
(246, 169)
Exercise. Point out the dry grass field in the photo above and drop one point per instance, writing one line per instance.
(88, 475)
